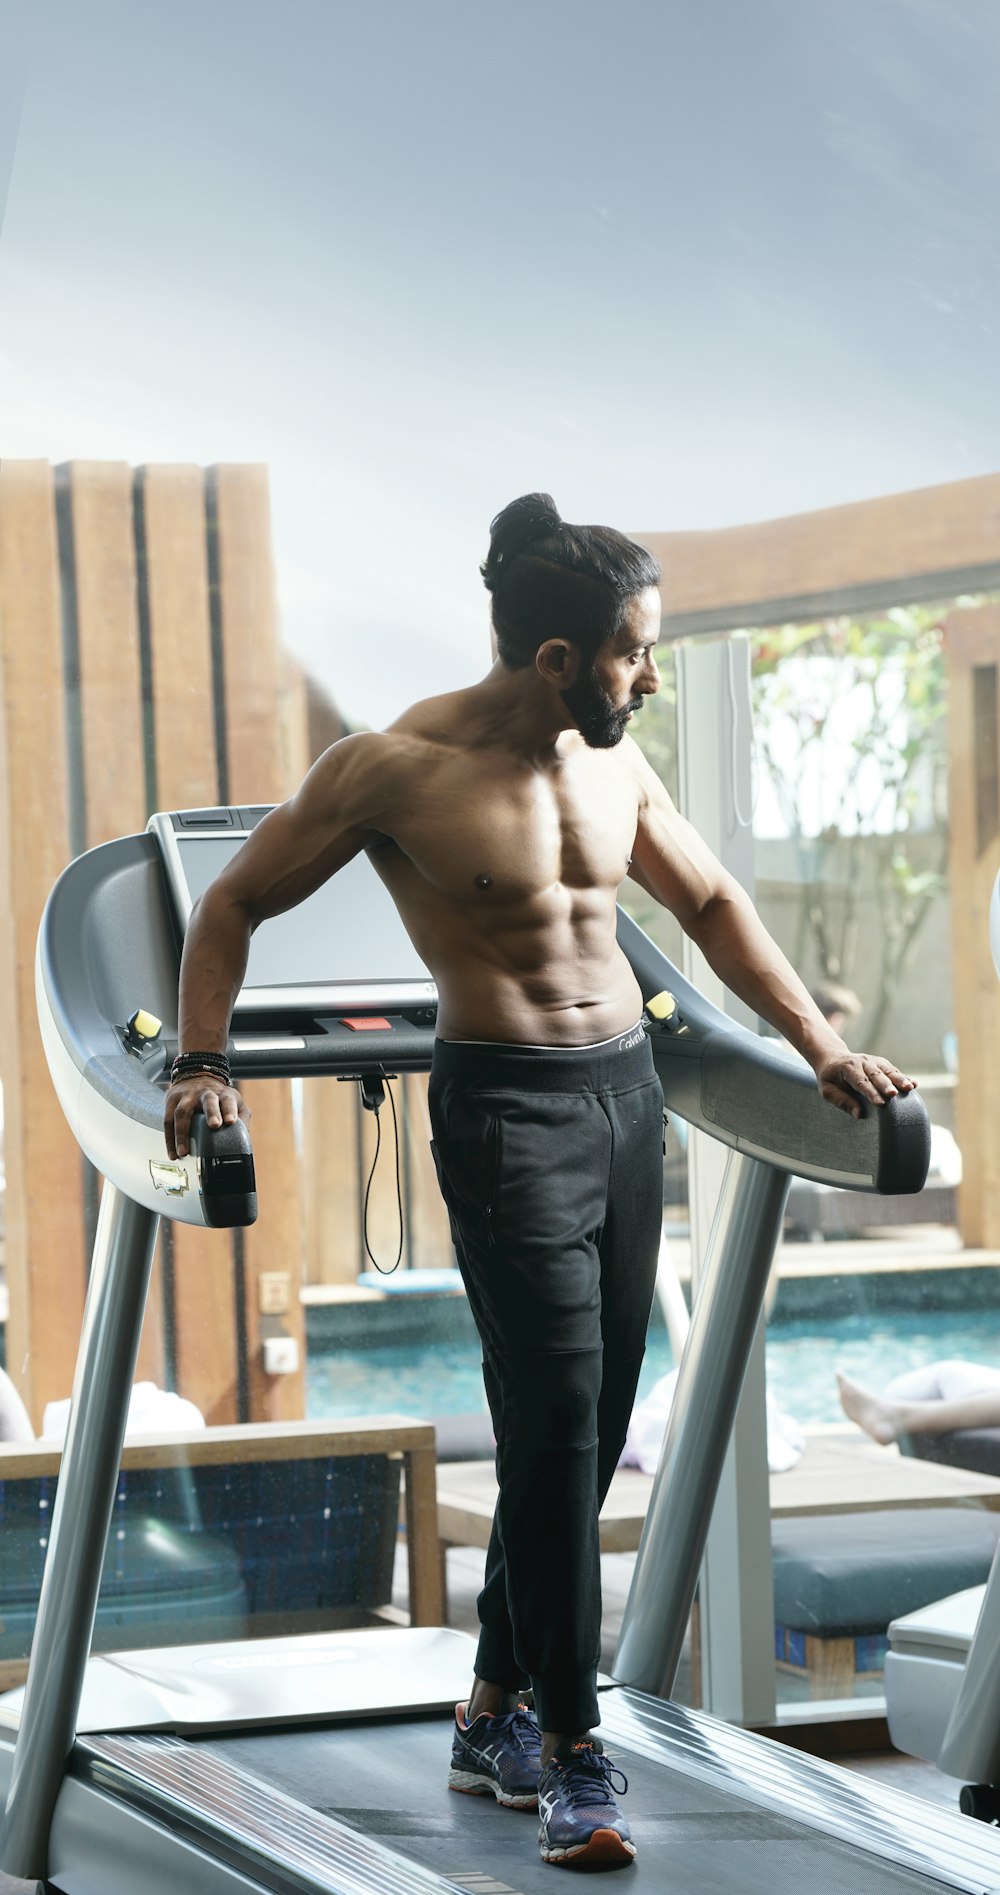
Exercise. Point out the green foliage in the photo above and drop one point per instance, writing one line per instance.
(655, 728)
(655, 732)
(874, 690)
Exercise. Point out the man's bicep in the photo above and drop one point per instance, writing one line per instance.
(670, 860)
(298, 845)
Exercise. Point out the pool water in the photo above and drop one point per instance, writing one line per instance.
(801, 1357)
(445, 1378)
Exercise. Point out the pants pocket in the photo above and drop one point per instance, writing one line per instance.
(467, 1158)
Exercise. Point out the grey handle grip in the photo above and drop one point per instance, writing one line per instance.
(226, 1178)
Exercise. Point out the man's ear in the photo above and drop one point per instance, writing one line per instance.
(558, 662)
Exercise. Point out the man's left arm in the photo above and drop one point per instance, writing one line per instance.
(672, 863)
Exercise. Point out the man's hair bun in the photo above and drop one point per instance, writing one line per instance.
(525, 525)
(550, 579)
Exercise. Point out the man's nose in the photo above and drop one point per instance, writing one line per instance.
(651, 680)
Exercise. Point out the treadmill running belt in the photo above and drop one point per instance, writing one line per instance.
(389, 1781)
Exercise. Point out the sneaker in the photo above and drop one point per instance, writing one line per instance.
(582, 1826)
(497, 1756)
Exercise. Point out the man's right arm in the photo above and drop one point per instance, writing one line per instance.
(296, 848)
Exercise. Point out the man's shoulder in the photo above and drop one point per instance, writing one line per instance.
(424, 734)
(435, 721)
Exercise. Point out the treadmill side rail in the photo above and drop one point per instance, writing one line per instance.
(971, 1746)
(112, 1324)
(741, 1249)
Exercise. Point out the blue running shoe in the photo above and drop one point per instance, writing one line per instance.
(497, 1756)
(582, 1826)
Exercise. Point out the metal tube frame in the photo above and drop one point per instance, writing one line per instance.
(740, 1253)
(109, 1345)
(970, 1747)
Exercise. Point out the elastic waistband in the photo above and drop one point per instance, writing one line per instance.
(625, 1060)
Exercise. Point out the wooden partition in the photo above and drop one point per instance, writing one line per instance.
(339, 1142)
(973, 646)
(45, 1240)
(933, 543)
(140, 668)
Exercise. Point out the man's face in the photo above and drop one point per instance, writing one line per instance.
(609, 692)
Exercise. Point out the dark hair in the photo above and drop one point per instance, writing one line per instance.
(552, 580)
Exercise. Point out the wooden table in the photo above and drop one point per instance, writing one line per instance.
(841, 1471)
(397, 1437)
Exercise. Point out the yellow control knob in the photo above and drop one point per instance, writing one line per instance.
(145, 1025)
(662, 1006)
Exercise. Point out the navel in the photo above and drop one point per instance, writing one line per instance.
(484, 881)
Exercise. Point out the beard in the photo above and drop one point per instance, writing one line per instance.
(600, 721)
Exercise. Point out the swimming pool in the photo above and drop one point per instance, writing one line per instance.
(445, 1378)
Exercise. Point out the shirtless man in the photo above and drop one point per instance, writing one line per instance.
(503, 819)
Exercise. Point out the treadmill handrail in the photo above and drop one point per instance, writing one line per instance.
(760, 1097)
(109, 941)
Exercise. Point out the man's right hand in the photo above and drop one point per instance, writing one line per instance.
(201, 1092)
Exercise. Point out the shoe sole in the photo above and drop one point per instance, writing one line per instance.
(471, 1783)
(605, 1849)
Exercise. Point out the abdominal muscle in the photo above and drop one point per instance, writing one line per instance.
(496, 1014)
(542, 972)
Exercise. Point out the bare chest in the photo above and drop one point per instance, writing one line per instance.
(520, 832)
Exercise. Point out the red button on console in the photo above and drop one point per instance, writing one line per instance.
(366, 1023)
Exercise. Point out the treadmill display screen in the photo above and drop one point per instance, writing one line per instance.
(349, 930)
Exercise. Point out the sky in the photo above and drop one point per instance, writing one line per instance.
(681, 263)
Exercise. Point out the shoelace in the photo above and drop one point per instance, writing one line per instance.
(523, 1727)
(520, 1725)
(590, 1778)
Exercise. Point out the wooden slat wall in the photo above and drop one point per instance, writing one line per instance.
(331, 1199)
(46, 1262)
(255, 690)
(329, 1182)
(111, 712)
(202, 1310)
(108, 643)
(109, 572)
(430, 1243)
(973, 638)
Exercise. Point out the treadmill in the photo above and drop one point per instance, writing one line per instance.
(942, 1668)
(316, 1765)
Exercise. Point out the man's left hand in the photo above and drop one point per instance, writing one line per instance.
(848, 1078)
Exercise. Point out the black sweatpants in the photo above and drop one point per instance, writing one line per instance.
(551, 1166)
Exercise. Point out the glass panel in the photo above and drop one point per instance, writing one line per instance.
(243, 1548)
(852, 870)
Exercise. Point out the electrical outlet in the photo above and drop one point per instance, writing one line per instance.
(275, 1292)
(281, 1355)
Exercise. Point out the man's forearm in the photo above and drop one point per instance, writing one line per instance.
(739, 949)
(216, 949)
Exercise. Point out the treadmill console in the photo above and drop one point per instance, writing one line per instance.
(333, 985)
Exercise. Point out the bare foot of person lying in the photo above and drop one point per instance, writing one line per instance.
(882, 1420)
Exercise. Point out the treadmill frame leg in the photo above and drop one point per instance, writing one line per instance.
(88, 1478)
(741, 1250)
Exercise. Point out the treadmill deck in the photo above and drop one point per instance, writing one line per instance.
(361, 1805)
